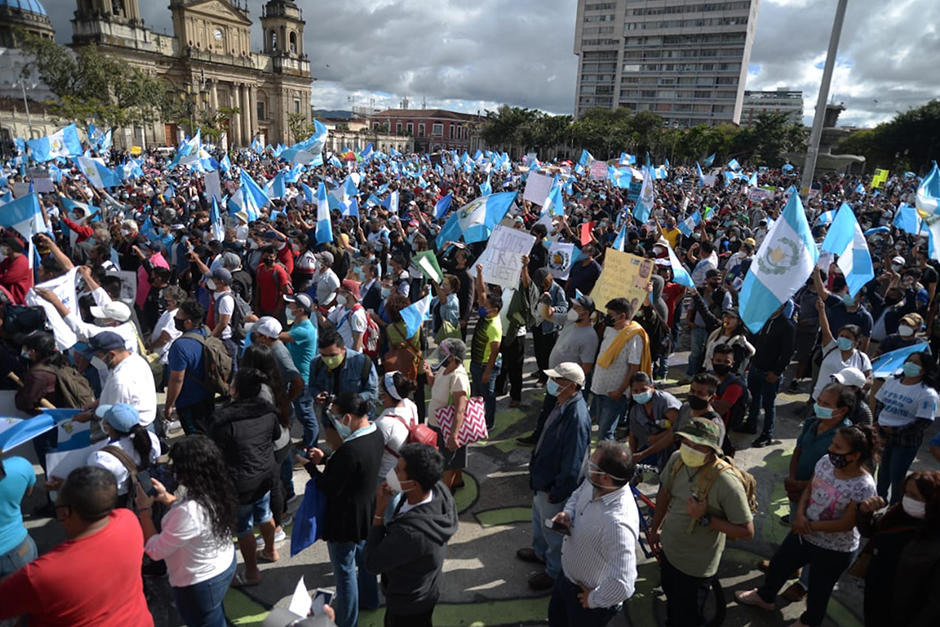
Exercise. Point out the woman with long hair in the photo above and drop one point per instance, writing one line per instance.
(908, 404)
(196, 533)
(262, 358)
(903, 576)
(823, 532)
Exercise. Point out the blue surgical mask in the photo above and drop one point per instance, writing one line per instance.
(343, 430)
(643, 398)
(912, 369)
(844, 343)
(822, 412)
(551, 387)
(386, 292)
(482, 311)
(848, 300)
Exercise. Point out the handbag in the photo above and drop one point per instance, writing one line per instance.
(473, 428)
(446, 331)
(309, 519)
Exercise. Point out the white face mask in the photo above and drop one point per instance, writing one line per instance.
(210, 285)
(573, 315)
(905, 331)
(392, 480)
(913, 507)
(340, 299)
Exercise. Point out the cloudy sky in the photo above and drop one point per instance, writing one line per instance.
(472, 56)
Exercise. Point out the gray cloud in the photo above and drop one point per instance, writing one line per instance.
(475, 55)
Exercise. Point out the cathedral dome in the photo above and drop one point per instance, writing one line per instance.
(29, 6)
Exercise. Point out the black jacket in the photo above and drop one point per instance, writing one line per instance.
(245, 431)
(774, 345)
(349, 482)
(409, 553)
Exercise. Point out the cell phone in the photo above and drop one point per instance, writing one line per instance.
(557, 527)
(321, 598)
(145, 481)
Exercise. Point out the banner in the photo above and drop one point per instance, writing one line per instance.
(756, 194)
(537, 187)
(624, 276)
(64, 288)
(502, 259)
(561, 257)
(598, 170)
(213, 185)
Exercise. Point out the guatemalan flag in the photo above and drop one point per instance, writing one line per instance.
(63, 143)
(845, 238)
(644, 204)
(679, 274)
(443, 206)
(415, 314)
(688, 225)
(97, 173)
(24, 216)
(785, 260)
(324, 227)
(478, 218)
(553, 204)
(215, 219)
(927, 201)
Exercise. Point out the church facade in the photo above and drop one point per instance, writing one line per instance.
(210, 63)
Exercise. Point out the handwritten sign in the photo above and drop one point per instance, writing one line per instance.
(502, 259)
(624, 276)
(756, 194)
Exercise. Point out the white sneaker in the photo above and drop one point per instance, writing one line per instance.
(279, 536)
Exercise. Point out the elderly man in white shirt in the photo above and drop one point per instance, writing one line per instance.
(130, 379)
(598, 557)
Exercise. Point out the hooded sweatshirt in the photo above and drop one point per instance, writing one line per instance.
(409, 552)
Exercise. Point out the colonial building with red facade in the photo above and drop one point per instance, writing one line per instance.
(432, 129)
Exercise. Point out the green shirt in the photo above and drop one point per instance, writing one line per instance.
(488, 330)
(698, 552)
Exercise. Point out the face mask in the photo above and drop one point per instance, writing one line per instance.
(721, 369)
(643, 398)
(210, 285)
(844, 343)
(848, 300)
(25, 354)
(572, 316)
(914, 508)
(482, 311)
(905, 331)
(340, 299)
(896, 267)
(822, 412)
(359, 273)
(180, 325)
(386, 292)
(332, 361)
(268, 261)
(911, 369)
(392, 480)
(692, 457)
(290, 316)
(697, 235)
(696, 403)
(551, 387)
(609, 320)
(343, 430)
(98, 363)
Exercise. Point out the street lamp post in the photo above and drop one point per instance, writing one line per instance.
(29, 121)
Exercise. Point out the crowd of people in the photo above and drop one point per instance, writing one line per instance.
(278, 348)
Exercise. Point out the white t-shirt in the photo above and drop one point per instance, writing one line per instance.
(903, 404)
(306, 262)
(327, 282)
(833, 363)
(165, 323)
(131, 382)
(225, 306)
(112, 464)
(394, 432)
(192, 553)
(356, 322)
(829, 497)
(606, 380)
(445, 386)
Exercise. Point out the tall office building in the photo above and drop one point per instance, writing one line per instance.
(685, 60)
(781, 100)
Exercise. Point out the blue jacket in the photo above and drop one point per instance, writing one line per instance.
(350, 377)
(556, 463)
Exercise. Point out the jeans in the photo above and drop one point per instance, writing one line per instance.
(351, 591)
(565, 610)
(827, 567)
(303, 409)
(543, 343)
(200, 605)
(253, 514)
(895, 462)
(697, 338)
(486, 390)
(685, 595)
(18, 557)
(195, 418)
(513, 355)
(409, 620)
(763, 394)
(545, 542)
(608, 413)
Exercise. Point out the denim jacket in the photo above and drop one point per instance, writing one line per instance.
(350, 377)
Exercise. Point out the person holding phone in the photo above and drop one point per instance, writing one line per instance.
(195, 537)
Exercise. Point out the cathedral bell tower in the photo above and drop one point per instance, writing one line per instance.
(283, 27)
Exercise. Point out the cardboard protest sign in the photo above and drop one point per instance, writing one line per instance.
(624, 276)
(502, 259)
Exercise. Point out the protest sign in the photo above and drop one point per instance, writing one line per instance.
(64, 288)
(560, 259)
(135, 150)
(624, 276)
(213, 185)
(20, 189)
(756, 194)
(709, 180)
(537, 187)
(502, 259)
(128, 285)
(598, 170)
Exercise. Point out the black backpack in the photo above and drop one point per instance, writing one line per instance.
(239, 312)
(71, 386)
(738, 412)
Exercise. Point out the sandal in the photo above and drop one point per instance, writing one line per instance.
(266, 557)
(750, 597)
(240, 581)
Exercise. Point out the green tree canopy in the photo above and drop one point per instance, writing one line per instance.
(909, 141)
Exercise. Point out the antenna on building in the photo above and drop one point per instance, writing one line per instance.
(424, 102)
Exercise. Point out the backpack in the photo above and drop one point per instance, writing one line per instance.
(71, 386)
(239, 312)
(217, 363)
(418, 433)
(706, 480)
(370, 337)
(738, 412)
(363, 377)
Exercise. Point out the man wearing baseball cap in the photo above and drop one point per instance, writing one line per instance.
(699, 504)
(110, 316)
(301, 343)
(129, 380)
(349, 316)
(555, 468)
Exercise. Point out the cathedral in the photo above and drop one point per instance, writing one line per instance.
(208, 59)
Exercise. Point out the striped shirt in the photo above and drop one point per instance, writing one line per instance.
(600, 553)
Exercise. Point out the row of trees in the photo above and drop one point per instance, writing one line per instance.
(909, 141)
(606, 133)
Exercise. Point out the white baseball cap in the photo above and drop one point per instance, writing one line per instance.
(115, 310)
(567, 370)
(268, 327)
(850, 376)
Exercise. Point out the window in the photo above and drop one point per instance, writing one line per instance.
(261, 110)
(410, 128)
(421, 129)
(453, 130)
(398, 127)
(437, 130)
(296, 106)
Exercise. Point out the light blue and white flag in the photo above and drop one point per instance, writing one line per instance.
(215, 219)
(890, 363)
(63, 143)
(679, 274)
(621, 238)
(251, 188)
(688, 225)
(701, 177)
(225, 164)
(24, 216)
(189, 148)
(785, 260)
(443, 205)
(927, 199)
(450, 232)
(644, 204)
(415, 314)
(845, 238)
(734, 165)
(908, 220)
(486, 188)
(752, 182)
(324, 226)
(97, 173)
(825, 218)
(256, 145)
(554, 205)
(586, 158)
(709, 160)
(480, 216)
(860, 189)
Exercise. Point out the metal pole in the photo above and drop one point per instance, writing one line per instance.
(812, 148)
(29, 121)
